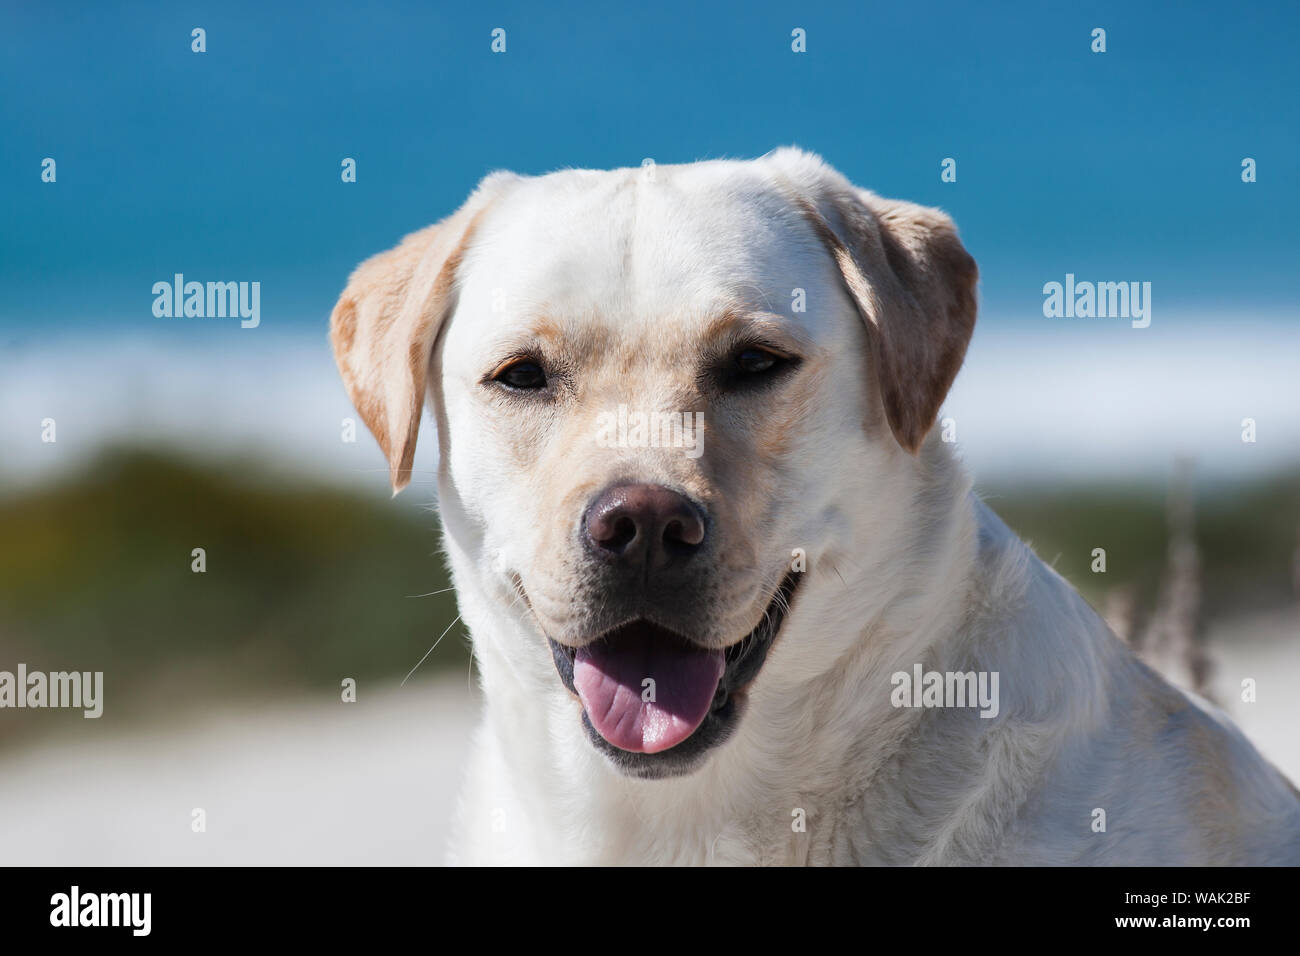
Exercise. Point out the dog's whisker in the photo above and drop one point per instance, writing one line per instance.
(519, 596)
(428, 652)
(432, 593)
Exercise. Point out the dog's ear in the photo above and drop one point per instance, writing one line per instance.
(385, 324)
(913, 283)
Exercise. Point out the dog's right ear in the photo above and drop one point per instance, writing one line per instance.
(385, 324)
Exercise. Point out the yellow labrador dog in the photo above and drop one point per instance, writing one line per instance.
(730, 602)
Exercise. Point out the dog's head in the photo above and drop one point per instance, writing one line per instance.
(665, 397)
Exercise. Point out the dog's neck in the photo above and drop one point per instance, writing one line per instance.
(812, 740)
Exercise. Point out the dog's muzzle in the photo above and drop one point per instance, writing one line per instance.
(653, 701)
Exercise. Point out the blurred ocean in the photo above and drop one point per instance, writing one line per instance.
(1051, 400)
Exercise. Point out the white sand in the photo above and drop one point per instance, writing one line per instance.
(313, 784)
(375, 782)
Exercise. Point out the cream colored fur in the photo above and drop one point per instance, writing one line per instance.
(627, 278)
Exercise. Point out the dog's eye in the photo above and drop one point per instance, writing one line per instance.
(522, 375)
(751, 367)
(756, 361)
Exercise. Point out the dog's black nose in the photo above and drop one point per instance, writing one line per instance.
(643, 526)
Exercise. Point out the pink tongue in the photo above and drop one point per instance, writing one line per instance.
(609, 678)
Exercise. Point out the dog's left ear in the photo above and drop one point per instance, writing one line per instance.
(384, 326)
(913, 283)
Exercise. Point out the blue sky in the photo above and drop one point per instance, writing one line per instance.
(225, 165)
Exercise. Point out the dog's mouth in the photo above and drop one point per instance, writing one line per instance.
(649, 693)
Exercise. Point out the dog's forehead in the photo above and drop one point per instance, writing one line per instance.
(637, 246)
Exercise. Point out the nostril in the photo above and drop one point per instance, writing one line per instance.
(622, 534)
(683, 536)
(612, 530)
(689, 529)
